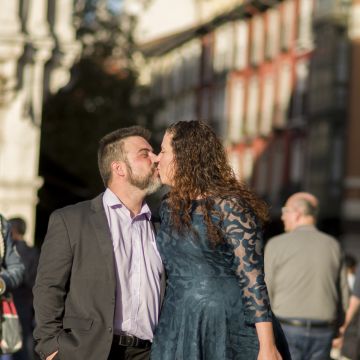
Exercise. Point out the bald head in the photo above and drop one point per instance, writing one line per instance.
(307, 203)
(300, 209)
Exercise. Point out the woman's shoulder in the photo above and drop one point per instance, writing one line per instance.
(231, 203)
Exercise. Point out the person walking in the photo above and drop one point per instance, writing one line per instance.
(12, 269)
(306, 278)
(98, 289)
(23, 297)
(348, 341)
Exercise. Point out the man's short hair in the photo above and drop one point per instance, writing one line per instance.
(18, 224)
(308, 208)
(111, 148)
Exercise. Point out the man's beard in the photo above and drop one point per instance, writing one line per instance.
(149, 182)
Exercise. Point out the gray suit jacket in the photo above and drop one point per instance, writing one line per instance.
(74, 294)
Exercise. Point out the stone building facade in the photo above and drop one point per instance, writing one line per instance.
(37, 48)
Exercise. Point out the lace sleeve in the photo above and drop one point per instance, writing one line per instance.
(244, 234)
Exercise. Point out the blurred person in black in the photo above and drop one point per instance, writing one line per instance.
(349, 339)
(23, 297)
(12, 268)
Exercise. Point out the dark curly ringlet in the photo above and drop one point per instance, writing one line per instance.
(202, 169)
(111, 148)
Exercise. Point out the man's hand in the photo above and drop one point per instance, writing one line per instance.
(338, 342)
(51, 356)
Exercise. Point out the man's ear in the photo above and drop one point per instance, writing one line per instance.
(118, 168)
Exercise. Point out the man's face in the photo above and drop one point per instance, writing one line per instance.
(140, 164)
(290, 215)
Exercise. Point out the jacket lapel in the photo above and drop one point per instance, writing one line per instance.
(103, 234)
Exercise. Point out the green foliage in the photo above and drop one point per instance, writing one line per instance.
(97, 100)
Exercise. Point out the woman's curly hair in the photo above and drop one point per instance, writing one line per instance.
(202, 170)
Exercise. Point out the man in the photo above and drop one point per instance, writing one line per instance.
(97, 292)
(306, 280)
(23, 297)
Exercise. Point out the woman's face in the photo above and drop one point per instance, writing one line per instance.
(165, 160)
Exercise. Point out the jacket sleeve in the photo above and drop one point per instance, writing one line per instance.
(51, 283)
(12, 271)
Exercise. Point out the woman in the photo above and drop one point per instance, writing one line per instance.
(216, 304)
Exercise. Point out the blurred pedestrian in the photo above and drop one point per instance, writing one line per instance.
(23, 296)
(349, 339)
(99, 281)
(351, 264)
(12, 270)
(306, 277)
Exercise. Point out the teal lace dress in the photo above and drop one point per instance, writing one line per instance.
(214, 295)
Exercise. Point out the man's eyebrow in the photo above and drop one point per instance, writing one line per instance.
(146, 150)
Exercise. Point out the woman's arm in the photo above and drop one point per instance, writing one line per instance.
(267, 349)
(244, 234)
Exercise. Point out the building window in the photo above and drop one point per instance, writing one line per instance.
(284, 93)
(178, 73)
(224, 48)
(273, 33)
(219, 121)
(268, 104)
(319, 157)
(247, 164)
(305, 38)
(262, 173)
(252, 106)
(277, 171)
(234, 159)
(237, 109)
(287, 23)
(297, 161)
(207, 59)
(205, 103)
(191, 64)
(300, 91)
(241, 44)
(257, 43)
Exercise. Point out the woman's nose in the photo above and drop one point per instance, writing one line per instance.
(154, 158)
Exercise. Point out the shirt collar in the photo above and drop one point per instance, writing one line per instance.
(305, 227)
(111, 200)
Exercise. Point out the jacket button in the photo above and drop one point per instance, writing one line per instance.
(110, 329)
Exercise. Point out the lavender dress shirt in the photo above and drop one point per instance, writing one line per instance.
(138, 268)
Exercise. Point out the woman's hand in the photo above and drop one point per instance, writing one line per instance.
(269, 353)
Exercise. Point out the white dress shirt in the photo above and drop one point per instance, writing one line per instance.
(138, 268)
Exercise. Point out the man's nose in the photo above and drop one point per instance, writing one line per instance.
(153, 157)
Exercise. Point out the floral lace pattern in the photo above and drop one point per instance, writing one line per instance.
(214, 294)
